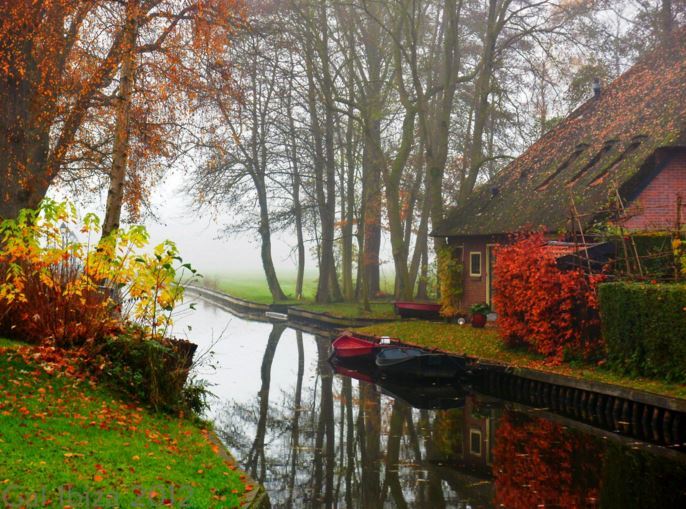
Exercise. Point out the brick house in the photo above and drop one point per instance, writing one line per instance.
(629, 139)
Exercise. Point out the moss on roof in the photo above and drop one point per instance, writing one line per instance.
(606, 144)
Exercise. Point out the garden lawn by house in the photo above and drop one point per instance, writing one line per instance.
(487, 345)
(63, 439)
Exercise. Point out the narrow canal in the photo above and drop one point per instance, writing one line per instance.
(315, 438)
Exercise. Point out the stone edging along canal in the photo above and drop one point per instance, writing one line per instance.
(652, 417)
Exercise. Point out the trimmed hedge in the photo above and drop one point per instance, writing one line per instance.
(644, 327)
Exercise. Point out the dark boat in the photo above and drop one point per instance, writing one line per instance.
(348, 346)
(412, 309)
(417, 363)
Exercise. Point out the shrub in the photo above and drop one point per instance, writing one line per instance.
(154, 371)
(67, 292)
(644, 326)
(552, 311)
(480, 308)
(450, 271)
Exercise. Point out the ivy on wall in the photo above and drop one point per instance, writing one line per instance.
(450, 282)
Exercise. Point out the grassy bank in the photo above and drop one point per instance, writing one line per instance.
(486, 344)
(67, 442)
(254, 288)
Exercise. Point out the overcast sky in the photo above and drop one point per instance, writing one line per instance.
(199, 237)
(200, 240)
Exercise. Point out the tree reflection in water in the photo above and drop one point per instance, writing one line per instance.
(326, 441)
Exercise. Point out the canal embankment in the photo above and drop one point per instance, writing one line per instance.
(652, 408)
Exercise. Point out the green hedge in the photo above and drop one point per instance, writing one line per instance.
(644, 327)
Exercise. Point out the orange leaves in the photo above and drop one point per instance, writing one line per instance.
(552, 311)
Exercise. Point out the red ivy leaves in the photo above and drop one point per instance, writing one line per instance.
(549, 310)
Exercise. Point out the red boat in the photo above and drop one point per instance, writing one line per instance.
(347, 346)
(413, 309)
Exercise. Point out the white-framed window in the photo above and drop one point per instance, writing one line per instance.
(475, 263)
(475, 442)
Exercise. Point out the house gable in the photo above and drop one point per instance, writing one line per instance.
(655, 206)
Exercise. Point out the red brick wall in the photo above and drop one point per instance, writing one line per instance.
(474, 287)
(655, 207)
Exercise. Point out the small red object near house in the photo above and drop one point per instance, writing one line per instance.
(479, 320)
(413, 309)
(347, 346)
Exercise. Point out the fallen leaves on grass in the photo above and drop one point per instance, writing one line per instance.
(59, 424)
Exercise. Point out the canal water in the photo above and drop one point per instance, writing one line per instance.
(315, 438)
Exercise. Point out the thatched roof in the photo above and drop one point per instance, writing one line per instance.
(608, 143)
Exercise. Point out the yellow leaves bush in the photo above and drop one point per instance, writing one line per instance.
(450, 270)
(679, 248)
(57, 288)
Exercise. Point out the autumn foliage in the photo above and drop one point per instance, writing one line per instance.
(58, 290)
(450, 270)
(554, 312)
(60, 61)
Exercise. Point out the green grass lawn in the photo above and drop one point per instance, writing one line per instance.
(254, 288)
(486, 344)
(62, 440)
(8, 343)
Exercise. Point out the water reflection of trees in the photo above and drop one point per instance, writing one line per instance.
(336, 442)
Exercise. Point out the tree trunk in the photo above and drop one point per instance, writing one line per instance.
(297, 207)
(422, 287)
(435, 113)
(24, 138)
(297, 210)
(372, 211)
(328, 289)
(481, 109)
(667, 21)
(348, 206)
(392, 178)
(266, 242)
(120, 149)
(420, 254)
